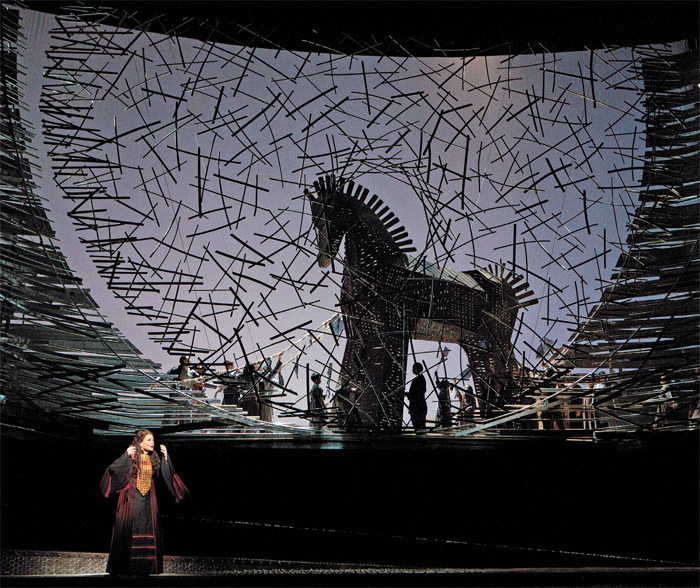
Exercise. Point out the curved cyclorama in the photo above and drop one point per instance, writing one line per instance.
(212, 205)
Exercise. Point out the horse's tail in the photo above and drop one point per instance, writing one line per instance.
(515, 294)
(519, 287)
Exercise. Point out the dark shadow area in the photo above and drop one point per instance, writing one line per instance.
(392, 28)
(505, 504)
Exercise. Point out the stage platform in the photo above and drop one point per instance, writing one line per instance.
(61, 568)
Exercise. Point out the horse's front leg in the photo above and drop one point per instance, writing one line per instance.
(387, 376)
(353, 377)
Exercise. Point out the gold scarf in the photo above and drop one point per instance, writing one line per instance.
(144, 475)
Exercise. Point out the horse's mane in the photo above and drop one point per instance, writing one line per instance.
(382, 212)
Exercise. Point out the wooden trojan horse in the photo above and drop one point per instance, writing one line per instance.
(388, 297)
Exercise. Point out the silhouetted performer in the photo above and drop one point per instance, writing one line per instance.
(467, 405)
(249, 401)
(417, 406)
(352, 420)
(137, 542)
(183, 371)
(231, 392)
(317, 405)
(445, 410)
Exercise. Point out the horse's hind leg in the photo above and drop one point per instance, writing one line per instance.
(485, 381)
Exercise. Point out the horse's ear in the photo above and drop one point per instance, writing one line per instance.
(308, 194)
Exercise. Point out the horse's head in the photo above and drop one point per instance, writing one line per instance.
(331, 217)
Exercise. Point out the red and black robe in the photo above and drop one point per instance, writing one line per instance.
(137, 538)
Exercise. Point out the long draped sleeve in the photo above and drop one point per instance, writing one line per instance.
(117, 476)
(173, 482)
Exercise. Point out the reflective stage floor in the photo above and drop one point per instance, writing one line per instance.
(60, 568)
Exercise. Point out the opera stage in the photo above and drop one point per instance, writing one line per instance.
(201, 216)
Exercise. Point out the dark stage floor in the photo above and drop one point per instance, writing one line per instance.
(55, 568)
(508, 513)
